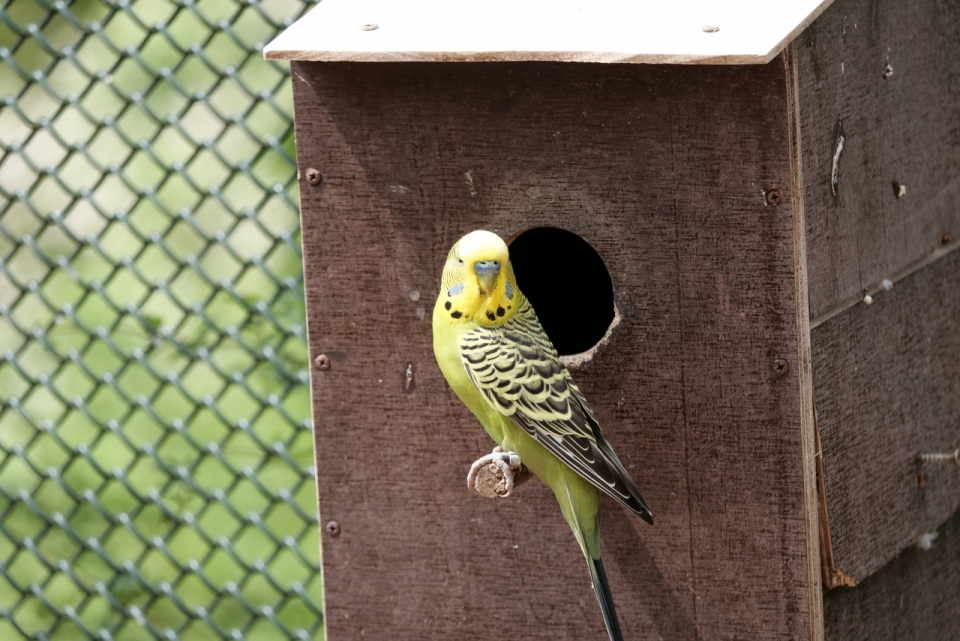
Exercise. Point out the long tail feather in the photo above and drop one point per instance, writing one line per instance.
(605, 598)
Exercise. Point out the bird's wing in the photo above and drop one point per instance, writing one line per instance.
(518, 371)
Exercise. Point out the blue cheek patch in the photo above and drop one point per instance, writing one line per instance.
(509, 291)
(456, 289)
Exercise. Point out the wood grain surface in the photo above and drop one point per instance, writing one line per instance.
(887, 381)
(817, 524)
(663, 171)
(886, 76)
(915, 597)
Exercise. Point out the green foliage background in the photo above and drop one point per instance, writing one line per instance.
(155, 435)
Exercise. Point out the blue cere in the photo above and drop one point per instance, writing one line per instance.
(487, 267)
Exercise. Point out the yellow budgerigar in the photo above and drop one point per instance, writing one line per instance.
(496, 357)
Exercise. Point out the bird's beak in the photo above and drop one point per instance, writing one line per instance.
(487, 273)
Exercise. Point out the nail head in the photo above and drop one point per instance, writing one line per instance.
(370, 26)
(710, 29)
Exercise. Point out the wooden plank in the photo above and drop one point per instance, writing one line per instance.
(888, 388)
(662, 170)
(885, 75)
(916, 597)
(810, 438)
(748, 31)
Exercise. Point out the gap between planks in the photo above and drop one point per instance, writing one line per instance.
(832, 577)
(878, 288)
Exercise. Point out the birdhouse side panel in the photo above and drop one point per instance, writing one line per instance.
(879, 118)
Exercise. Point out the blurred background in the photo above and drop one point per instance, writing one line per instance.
(156, 476)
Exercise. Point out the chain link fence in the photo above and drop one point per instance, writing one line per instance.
(155, 435)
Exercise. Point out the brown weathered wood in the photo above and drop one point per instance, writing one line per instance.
(904, 128)
(887, 380)
(809, 439)
(916, 597)
(832, 577)
(662, 170)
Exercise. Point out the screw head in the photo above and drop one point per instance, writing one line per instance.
(773, 197)
(781, 366)
(370, 26)
(710, 28)
(314, 177)
(322, 362)
(332, 528)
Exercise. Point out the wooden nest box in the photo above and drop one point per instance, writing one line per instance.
(772, 334)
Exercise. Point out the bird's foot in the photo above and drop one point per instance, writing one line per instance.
(496, 474)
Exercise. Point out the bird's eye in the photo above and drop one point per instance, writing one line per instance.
(459, 260)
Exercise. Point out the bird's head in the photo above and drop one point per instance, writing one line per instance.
(478, 283)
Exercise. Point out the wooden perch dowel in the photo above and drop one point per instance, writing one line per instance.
(495, 475)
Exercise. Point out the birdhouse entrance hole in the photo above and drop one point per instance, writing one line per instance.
(568, 285)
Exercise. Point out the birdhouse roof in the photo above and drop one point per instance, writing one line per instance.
(632, 31)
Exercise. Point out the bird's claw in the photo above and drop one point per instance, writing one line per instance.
(510, 458)
(507, 463)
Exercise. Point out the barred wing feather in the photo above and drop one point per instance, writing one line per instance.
(519, 372)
